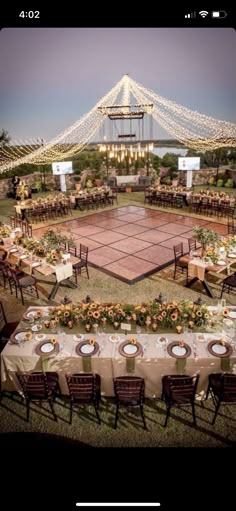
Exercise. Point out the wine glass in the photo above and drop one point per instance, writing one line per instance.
(138, 329)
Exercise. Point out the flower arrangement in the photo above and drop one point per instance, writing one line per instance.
(205, 237)
(5, 231)
(167, 314)
(54, 257)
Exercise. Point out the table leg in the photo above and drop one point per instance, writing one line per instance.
(204, 283)
(67, 283)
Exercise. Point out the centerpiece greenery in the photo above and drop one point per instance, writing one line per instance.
(165, 314)
(206, 237)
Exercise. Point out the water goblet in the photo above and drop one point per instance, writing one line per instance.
(138, 329)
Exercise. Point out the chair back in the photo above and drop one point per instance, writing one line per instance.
(227, 390)
(83, 387)
(178, 251)
(72, 250)
(34, 385)
(83, 253)
(192, 244)
(180, 389)
(129, 389)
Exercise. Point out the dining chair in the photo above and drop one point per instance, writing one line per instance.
(84, 389)
(180, 261)
(229, 284)
(82, 265)
(179, 391)
(192, 244)
(222, 388)
(39, 386)
(23, 283)
(129, 392)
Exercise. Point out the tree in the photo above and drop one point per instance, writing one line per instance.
(4, 138)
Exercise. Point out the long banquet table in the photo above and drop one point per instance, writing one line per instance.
(153, 363)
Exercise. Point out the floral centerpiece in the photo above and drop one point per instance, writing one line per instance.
(166, 314)
(5, 231)
(206, 237)
(54, 256)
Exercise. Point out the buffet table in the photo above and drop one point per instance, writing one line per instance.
(152, 362)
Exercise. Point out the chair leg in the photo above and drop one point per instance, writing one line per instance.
(216, 411)
(97, 414)
(167, 414)
(207, 392)
(142, 414)
(27, 410)
(71, 411)
(116, 418)
(52, 408)
(194, 416)
(22, 298)
(87, 272)
(222, 291)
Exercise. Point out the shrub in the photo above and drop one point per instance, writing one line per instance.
(220, 183)
(229, 183)
(211, 181)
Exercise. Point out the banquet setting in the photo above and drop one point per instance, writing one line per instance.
(118, 276)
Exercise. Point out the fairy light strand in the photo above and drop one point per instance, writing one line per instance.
(193, 129)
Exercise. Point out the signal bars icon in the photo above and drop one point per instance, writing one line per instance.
(191, 15)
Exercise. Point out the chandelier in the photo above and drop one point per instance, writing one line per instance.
(126, 152)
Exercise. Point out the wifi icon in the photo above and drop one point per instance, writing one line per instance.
(203, 14)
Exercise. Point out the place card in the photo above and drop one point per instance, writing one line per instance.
(125, 326)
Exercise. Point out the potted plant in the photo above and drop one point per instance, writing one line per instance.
(206, 237)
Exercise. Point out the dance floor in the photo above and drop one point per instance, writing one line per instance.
(132, 242)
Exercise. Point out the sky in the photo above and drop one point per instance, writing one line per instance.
(50, 77)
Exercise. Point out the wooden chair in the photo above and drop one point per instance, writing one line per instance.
(129, 391)
(38, 386)
(222, 387)
(22, 283)
(84, 389)
(229, 284)
(179, 391)
(192, 244)
(82, 265)
(72, 250)
(180, 263)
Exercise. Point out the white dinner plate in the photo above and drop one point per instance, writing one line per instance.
(40, 337)
(130, 349)
(87, 348)
(162, 343)
(34, 265)
(47, 347)
(219, 349)
(12, 250)
(232, 314)
(114, 338)
(78, 337)
(179, 351)
(20, 336)
(232, 256)
(23, 256)
(221, 263)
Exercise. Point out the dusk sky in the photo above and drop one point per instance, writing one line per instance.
(50, 77)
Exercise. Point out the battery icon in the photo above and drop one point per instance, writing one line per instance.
(218, 14)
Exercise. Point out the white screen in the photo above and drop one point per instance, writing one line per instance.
(62, 167)
(189, 163)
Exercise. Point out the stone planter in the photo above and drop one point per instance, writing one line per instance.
(128, 190)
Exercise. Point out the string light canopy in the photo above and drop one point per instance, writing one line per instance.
(194, 130)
